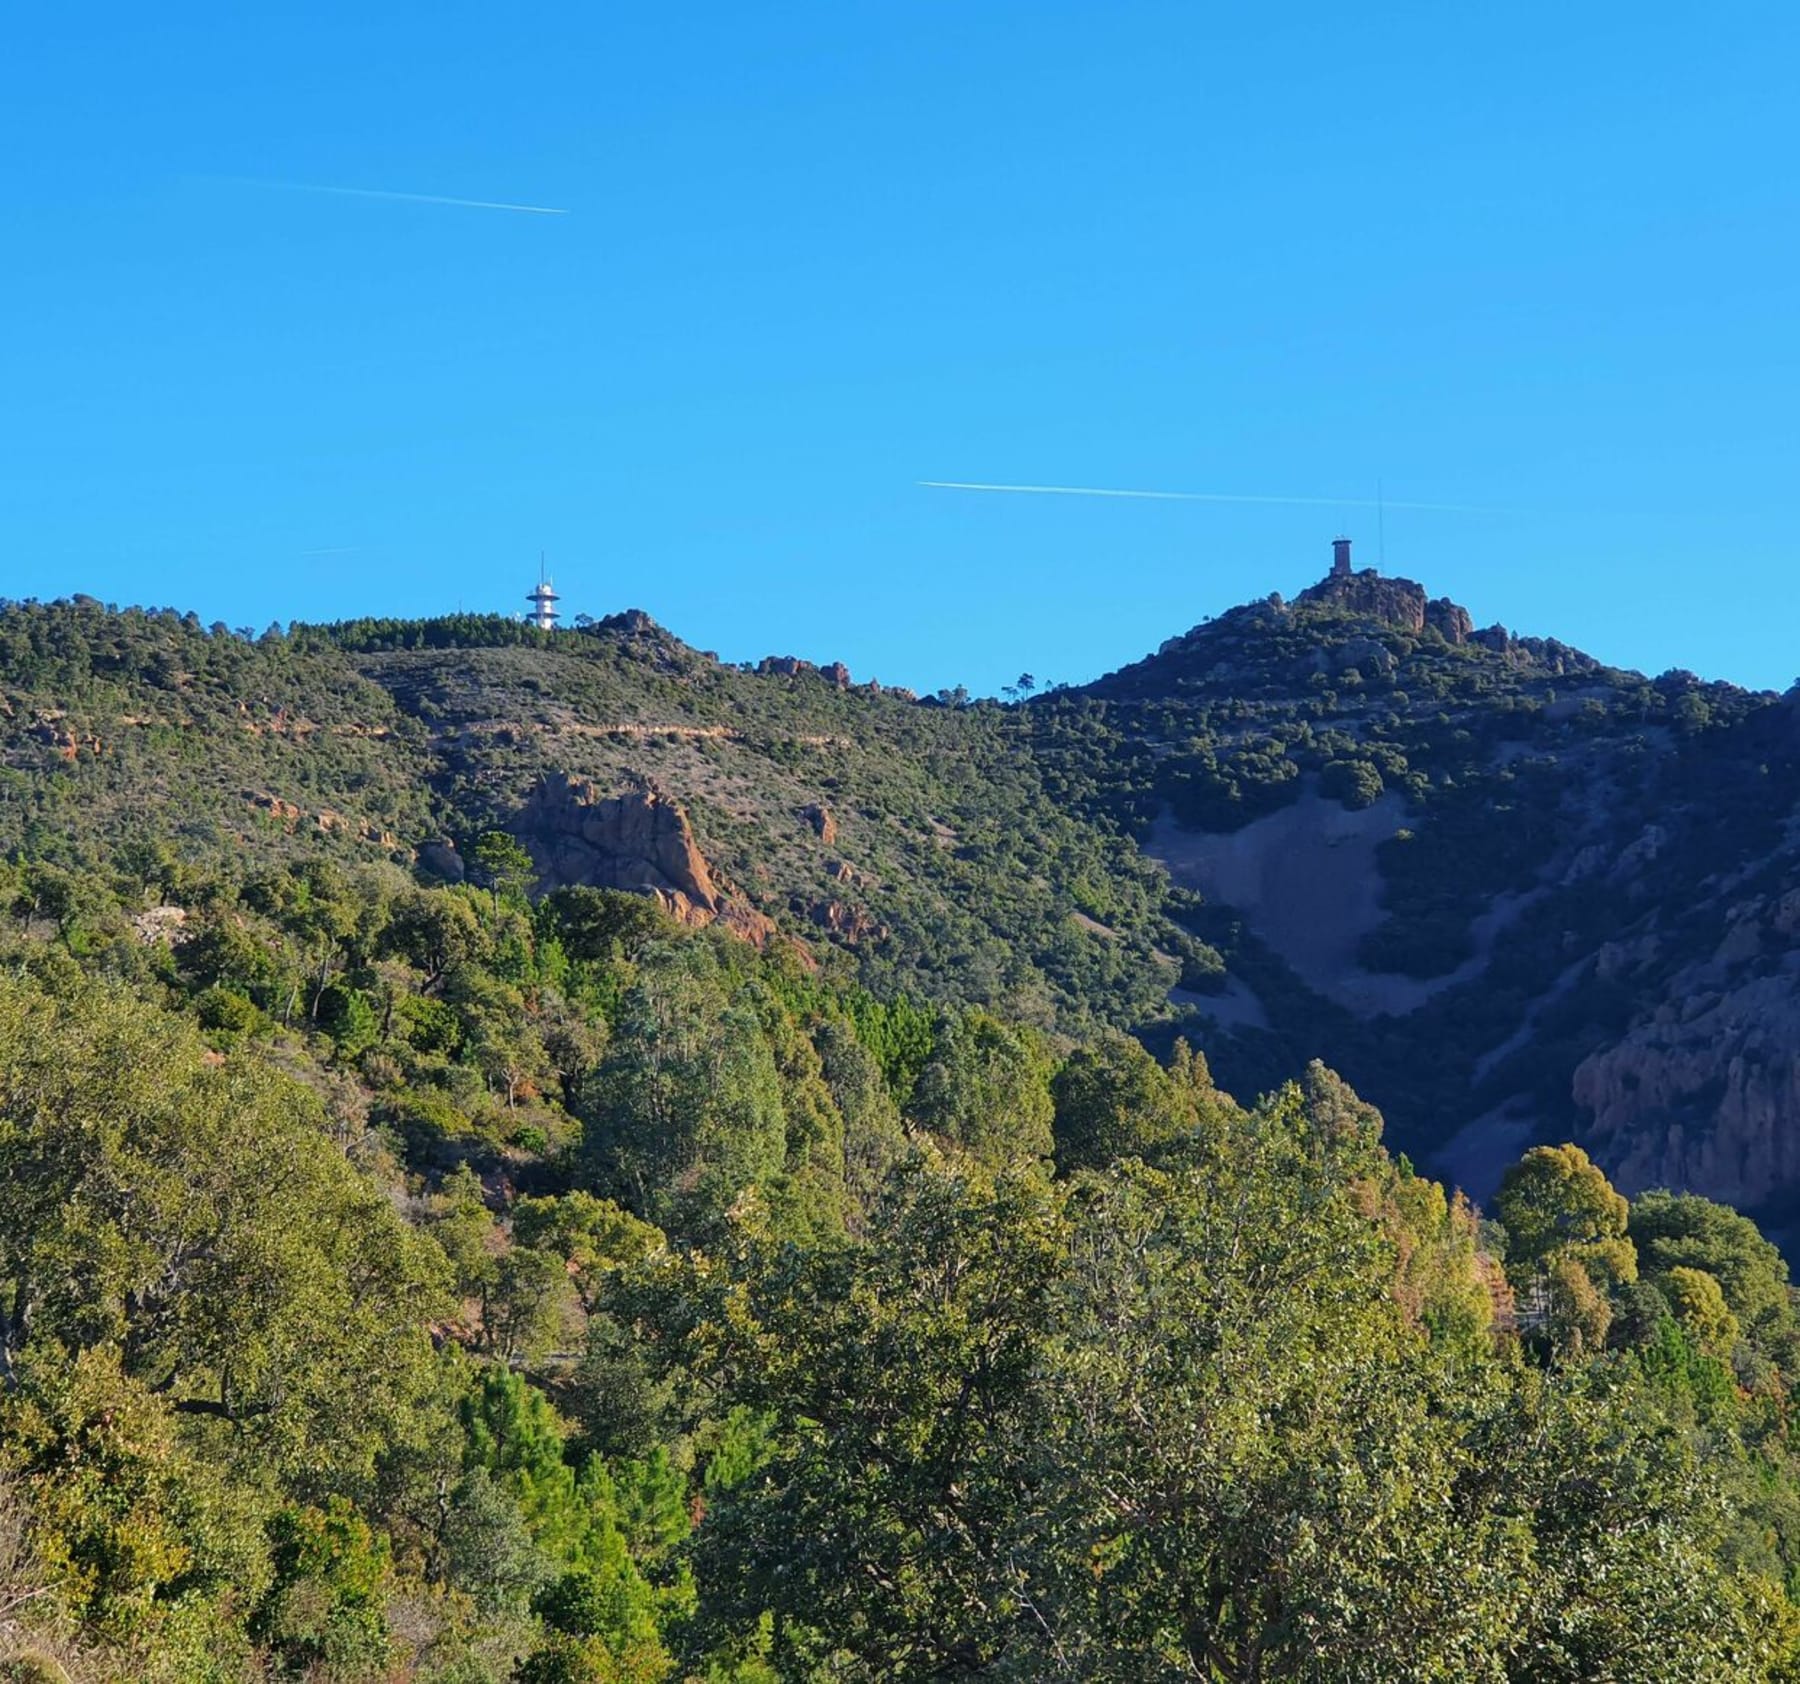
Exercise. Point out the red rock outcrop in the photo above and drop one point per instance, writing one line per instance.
(274, 806)
(848, 923)
(818, 816)
(329, 822)
(638, 841)
(1399, 602)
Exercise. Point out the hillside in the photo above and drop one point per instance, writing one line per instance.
(1512, 894)
(549, 1159)
(911, 844)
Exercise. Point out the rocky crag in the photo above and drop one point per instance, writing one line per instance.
(637, 840)
(1394, 602)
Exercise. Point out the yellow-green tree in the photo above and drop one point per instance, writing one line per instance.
(1700, 1307)
(195, 1217)
(986, 1086)
(1566, 1240)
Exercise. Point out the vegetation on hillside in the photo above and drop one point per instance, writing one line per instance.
(984, 854)
(412, 1278)
(402, 1281)
(968, 883)
(1570, 804)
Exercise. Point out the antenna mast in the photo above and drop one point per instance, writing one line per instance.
(543, 600)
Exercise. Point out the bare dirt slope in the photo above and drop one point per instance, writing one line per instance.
(1306, 878)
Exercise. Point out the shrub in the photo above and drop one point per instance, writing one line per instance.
(1356, 783)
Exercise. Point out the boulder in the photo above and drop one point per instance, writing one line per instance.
(158, 926)
(850, 924)
(1449, 619)
(631, 622)
(285, 811)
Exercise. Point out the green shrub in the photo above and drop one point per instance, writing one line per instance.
(227, 1012)
(1356, 783)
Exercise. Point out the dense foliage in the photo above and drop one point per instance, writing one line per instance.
(423, 1282)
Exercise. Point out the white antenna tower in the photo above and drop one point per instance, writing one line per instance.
(544, 613)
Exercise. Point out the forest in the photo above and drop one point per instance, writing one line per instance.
(412, 1268)
(430, 1282)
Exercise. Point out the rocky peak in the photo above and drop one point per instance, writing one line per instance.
(1396, 602)
(630, 622)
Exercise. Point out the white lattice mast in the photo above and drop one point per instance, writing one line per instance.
(544, 613)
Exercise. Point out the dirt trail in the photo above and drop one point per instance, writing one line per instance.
(640, 732)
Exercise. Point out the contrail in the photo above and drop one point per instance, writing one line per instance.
(1207, 497)
(408, 198)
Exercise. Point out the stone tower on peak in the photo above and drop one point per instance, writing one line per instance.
(1397, 602)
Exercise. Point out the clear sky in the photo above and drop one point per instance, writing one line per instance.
(1544, 259)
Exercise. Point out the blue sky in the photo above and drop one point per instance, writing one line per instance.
(1540, 259)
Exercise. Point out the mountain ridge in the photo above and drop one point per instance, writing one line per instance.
(1542, 857)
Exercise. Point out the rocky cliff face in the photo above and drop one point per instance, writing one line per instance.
(638, 841)
(1703, 1091)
